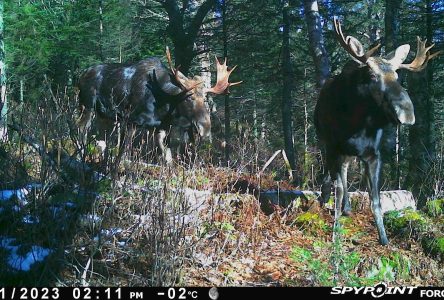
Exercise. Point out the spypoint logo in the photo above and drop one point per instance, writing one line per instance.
(380, 290)
(376, 291)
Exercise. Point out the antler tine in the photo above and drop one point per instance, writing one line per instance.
(370, 52)
(170, 63)
(346, 43)
(422, 57)
(222, 76)
(177, 74)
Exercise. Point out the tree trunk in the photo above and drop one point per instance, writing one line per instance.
(421, 135)
(3, 99)
(317, 48)
(227, 96)
(102, 56)
(287, 115)
(316, 40)
(390, 148)
(184, 37)
(391, 20)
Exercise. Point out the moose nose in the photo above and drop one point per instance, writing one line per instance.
(203, 126)
(403, 107)
(204, 130)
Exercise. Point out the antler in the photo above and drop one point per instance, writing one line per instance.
(180, 78)
(352, 45)
(422, 57)
(222, 83)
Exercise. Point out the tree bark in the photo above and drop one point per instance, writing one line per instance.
(391, 20)
(287, 115)
(421, 135)
(3, 99)
(102, 56)
(183, 36)
(316, 40)
(227, 96)
(390, 147)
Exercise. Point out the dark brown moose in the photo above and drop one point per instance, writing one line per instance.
(353, 109)
(149, 95)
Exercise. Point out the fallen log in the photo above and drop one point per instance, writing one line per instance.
(390, 200)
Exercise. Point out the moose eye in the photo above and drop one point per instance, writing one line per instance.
(373, 77)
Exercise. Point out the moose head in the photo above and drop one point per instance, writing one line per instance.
(378, 75)
(194, 105)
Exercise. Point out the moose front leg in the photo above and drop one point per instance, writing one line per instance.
(335, 163)
(161, 137)
(338, 167)
(373, 170)
(325, 188)
(346, 207)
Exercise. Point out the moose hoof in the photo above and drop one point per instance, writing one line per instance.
(383, 241)
(347, 212)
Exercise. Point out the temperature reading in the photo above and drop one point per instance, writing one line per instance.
(182, 294)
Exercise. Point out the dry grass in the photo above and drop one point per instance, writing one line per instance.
(187, 224)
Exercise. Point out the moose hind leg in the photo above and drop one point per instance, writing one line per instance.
(325, 188)
(373, 168)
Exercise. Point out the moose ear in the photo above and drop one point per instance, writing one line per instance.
(400, 55)
(355, 45)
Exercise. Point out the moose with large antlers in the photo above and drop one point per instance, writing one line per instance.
(148, 95)
(353, 109)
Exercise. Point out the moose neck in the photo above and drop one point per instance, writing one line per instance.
(359, 103)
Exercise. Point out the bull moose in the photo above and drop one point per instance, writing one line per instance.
(352, 111)
(147, 94)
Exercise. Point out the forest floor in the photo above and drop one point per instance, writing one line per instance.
(293, 247)
(148, 233)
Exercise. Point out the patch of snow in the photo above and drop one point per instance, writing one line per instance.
(21, 193)
(6, 195)
(89, 219)
(28, 219)
(111, 232)
(70, 204)
(24, 262)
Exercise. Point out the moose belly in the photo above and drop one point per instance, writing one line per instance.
(363, 144)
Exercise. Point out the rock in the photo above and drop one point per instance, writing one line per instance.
(390, 200)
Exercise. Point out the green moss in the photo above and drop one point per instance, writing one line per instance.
(389, 268)
(348, 229)
(310, 222)
(406, 220)
(435, 207)
(434, 246)
(331, 202)
(319, 269)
